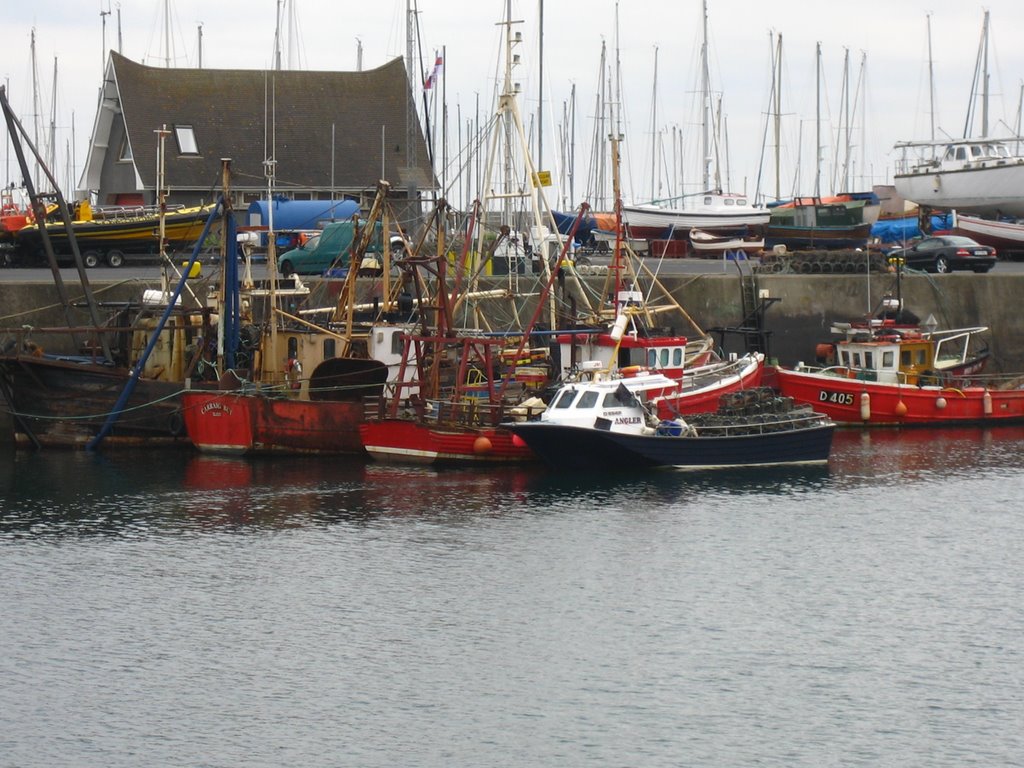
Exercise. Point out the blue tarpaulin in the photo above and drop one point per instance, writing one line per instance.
(906, 228)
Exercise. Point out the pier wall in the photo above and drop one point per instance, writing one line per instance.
(801, 318)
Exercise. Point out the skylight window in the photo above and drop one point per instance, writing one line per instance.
(186, 140)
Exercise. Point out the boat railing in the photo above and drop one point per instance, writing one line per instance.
(127, 212)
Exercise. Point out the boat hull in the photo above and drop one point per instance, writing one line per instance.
(415, 442)
(573, 447)
(702, 387)
(64, 402)
(992, 187)
(796, 237)
(1004, 236)
(889, 404)
(653, 222)
(235, 423)
(130, 234)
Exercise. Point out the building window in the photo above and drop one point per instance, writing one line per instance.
(126, 151)
(186, 140)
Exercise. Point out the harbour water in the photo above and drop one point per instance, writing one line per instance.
(169, 609)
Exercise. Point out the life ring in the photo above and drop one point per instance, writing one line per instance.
(632, 370)
(293, 372)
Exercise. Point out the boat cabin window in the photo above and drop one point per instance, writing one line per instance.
(293, 347)
(730, 201)
(329, 349)
(905, 358)
(677, 357)
(611, 400)
(397, 344)
(565, 399)
(708, 200)
(588, 400)
(869, 359)
(977, 151)
(741, 202)
(664, 358)
(652, 358)
(961, 153)
(889, 359)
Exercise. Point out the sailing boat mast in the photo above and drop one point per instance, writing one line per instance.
(931, 80)
(778, 121)
(654, 126)
(705, 89)
(817, 121)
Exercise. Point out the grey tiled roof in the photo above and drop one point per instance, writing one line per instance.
(226, 108)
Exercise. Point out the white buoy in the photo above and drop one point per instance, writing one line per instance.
(986, 403)
(940, 403)
(620, 327)
(865, 406)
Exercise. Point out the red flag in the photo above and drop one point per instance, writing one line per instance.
(432, 78)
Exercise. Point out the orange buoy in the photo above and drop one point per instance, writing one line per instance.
(901, 408)
(482, 445)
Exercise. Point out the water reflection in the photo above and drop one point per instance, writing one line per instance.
(49, 495)
(901, 456)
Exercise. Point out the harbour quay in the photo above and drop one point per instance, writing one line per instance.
(798, 311)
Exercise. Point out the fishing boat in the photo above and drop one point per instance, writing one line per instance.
(888, 372)
(268, 403)
(103, 377)
(275, 420)
(609, 423)
(816, 223)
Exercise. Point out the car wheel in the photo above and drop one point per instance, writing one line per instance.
(941, 265)
(115, 258)
(287, 270)
(91, 259)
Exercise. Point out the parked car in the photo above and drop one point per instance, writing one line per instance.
(946, 253)
(328, 249)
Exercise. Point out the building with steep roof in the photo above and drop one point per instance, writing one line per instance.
(332, 134)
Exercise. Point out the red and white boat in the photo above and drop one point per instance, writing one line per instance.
(883, 373)
(1007, 237)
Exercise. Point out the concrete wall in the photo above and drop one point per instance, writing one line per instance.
(808, 305)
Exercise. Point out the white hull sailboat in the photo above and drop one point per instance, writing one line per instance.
(980, 176)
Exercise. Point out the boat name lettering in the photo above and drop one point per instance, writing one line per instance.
(215, 407)
(627, 420)
(836, 398)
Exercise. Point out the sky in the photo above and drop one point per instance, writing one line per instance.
(656, 42)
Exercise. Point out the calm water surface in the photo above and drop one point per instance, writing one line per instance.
(177, 610)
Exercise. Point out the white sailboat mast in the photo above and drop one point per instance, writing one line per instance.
(705, 77)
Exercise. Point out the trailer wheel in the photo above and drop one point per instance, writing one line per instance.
(115, 258)
(91, 259)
